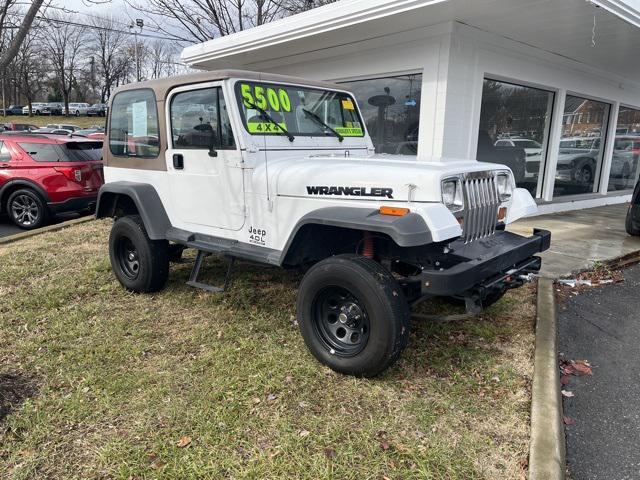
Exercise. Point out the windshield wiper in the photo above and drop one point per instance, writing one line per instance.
(269, 118)
(321, 122)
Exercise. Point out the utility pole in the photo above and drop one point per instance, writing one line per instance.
(139, 23)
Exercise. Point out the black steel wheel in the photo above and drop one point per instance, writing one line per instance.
(139, 263)
(26, 209)
(341, 321)
(353, 315)
(127, 257)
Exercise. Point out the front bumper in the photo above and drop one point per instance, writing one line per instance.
(496, 262)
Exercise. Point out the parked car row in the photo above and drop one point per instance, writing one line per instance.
(57, 108)
(42, 175)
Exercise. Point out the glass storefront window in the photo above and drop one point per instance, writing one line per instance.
(391, 110)
(626, 149)
(584, 126)
(514, 130)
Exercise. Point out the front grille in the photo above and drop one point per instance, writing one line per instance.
(481, 205)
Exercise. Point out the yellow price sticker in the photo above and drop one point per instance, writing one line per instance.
(347, 104)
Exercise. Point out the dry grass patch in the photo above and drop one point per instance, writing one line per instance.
(123, 379)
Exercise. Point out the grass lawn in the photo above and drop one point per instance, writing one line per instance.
(186, 384)
(43, 120)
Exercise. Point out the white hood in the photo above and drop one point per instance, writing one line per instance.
(376, 177)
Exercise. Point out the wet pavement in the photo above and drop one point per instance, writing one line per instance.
(602, 325)
(581, 238)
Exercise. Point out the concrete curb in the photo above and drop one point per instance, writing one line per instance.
(547, 449)
(48, 228)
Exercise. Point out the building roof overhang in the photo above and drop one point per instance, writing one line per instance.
(560, 27)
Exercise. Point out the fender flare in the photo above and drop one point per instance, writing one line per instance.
(145, 198)
(20, 182)
(409, 230)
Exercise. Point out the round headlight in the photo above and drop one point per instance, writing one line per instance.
(452, 194)
(505, 186)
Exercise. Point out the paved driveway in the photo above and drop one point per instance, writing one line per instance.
(581, 237)
(603, 326)
(7, 228)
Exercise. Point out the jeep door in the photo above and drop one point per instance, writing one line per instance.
(203, 160)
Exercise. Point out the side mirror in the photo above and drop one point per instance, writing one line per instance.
(212, 152)
(212, 145)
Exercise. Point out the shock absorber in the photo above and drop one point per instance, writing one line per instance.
(368, 245)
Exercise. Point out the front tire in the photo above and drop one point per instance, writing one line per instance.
(353, 315)
(139, 263)
(27, 209)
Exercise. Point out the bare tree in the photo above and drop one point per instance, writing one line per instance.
(202, 20)
(13, 46)
(297, 6)
(30, 69)
(109, 47)
(65, 44)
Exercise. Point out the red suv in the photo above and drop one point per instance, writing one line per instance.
(43, 175)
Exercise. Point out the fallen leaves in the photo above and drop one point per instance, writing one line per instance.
(566, 393)
(304, 433)
(183, 442)
(575, 367)
(568, 420)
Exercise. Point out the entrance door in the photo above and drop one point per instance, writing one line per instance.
(203, 161)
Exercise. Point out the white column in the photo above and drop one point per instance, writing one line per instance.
(554, 145)
(610, 140)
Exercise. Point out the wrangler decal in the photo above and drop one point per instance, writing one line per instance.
(351, 191)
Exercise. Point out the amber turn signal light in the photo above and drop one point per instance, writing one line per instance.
(395, 211)
(502, 213)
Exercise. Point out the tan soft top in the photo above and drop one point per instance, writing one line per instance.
(162, 86)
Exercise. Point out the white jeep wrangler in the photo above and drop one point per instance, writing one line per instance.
(281, 171)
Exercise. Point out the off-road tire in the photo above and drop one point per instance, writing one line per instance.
(383, 304)
(21, 199)
(148, 270)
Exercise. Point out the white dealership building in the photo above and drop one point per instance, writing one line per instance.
(549, 87)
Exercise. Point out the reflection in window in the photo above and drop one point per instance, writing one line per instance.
(391, 110)
(199, 120)
(581, 147)
(626, 149)
(514, 130)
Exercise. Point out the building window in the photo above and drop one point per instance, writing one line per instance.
(581, 147)
(626, 149)
(391, 110)
(514, 130)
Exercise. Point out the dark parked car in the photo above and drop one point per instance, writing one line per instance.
(512, 157)
(633, 215)
(43, 175)
(53, 109)
(19, 127)
(97, 110)
(13, 110)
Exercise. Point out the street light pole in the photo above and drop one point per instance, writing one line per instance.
(139, 23)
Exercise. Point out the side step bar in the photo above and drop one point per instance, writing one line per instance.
(193, 277)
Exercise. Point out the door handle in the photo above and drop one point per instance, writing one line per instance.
(4, 165)
(178, 161)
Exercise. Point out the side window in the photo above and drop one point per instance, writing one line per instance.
(5, 154)
(199, 120)
(133, 127)
(41, 152)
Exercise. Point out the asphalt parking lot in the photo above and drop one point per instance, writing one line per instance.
(601, 326)
(7, 228)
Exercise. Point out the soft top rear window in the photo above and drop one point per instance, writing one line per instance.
(133, 125)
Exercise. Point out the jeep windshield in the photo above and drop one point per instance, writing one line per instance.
(301, 111)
